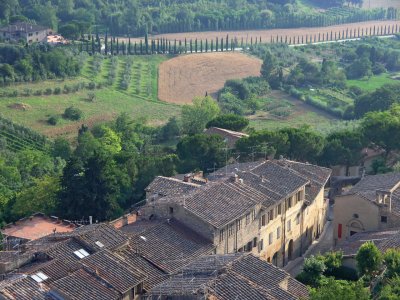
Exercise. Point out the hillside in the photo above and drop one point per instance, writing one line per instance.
(72, 18)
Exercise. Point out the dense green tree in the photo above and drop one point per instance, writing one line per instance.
(340, 290)
(39, 197)
(170, 130)
(343, 148)
(229, 121)
(379, 100)
(201, 151)
(369, 258)
(92, 188)
(359, 68)
(383, 129)
(391, 258)
(195, 117)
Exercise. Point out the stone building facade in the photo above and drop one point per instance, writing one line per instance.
(22, 31)
(273, 209)
(372, 204)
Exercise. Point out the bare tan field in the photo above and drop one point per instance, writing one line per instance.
(266, 35)
(381, 3)
(185, 77)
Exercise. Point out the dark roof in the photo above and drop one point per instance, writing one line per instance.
(385, 182)
(318, 176)
(232, 276)
(64, 251)
(23, 26)
(280, 179)
(82, 285)
(384, 239)
(219, 203)
(23, 288)
(54, 269)
(107, 235)
(277, 179)
(153, 275)
(169, 247)
(170, 186)
(113, 270)
(369, 185)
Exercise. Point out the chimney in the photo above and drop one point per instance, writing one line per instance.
(124, 220)
(187, 178)
(235, 178)
(384, 197)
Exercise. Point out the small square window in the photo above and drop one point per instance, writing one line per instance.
(171, 210)
(279, 209)
(221, 235)
(261, 245)
(298, 219)
(384, 219)
(263, 220)
(247, 219)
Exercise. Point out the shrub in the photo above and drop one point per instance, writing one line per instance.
(48, 91)
(53, 120)
(13, 94)
(91, 85)
(378, 68)
(38, 93)
(91, 97)
(57, 91)
(67, 89)
(72, 113)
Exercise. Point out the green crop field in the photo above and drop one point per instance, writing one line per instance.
(281, 110)
(137, 96)
(374, 82)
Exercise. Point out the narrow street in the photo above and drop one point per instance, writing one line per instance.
(322, 245)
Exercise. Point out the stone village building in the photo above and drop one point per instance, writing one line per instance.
(372, 204)
(26, 32)
(274, 209)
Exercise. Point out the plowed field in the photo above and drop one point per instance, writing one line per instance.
(185, 77)
(266, 35)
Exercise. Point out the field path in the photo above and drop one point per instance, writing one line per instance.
(187, 76)
(266, 35)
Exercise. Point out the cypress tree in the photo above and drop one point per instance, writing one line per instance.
(123, 48)
(185, 46)
(175, 46)
(195, 45)
(158, 45)
(146, 42)
(141, 47)
(98, 43)
(129, 45)
(206, 45)
(241, 43)
(201, 45)
(222, 45)
(180, 46)
(117, 46)
(106, 44)
(93, 46)
(227, 43)
(212, 45)
(216, 44)
(191, 47)
(135, 48)
(112, 47)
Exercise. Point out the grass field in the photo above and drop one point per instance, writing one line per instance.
(139, 99)
(297, 113)
(374, 82)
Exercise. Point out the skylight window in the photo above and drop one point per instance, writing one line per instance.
(100, 244)
(81, 253)
(39, 277)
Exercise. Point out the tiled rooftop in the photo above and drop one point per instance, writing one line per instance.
(232, 276)
(35, 227)
(82, 285)
(384, 239)
(170, 186)
(168, 248)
